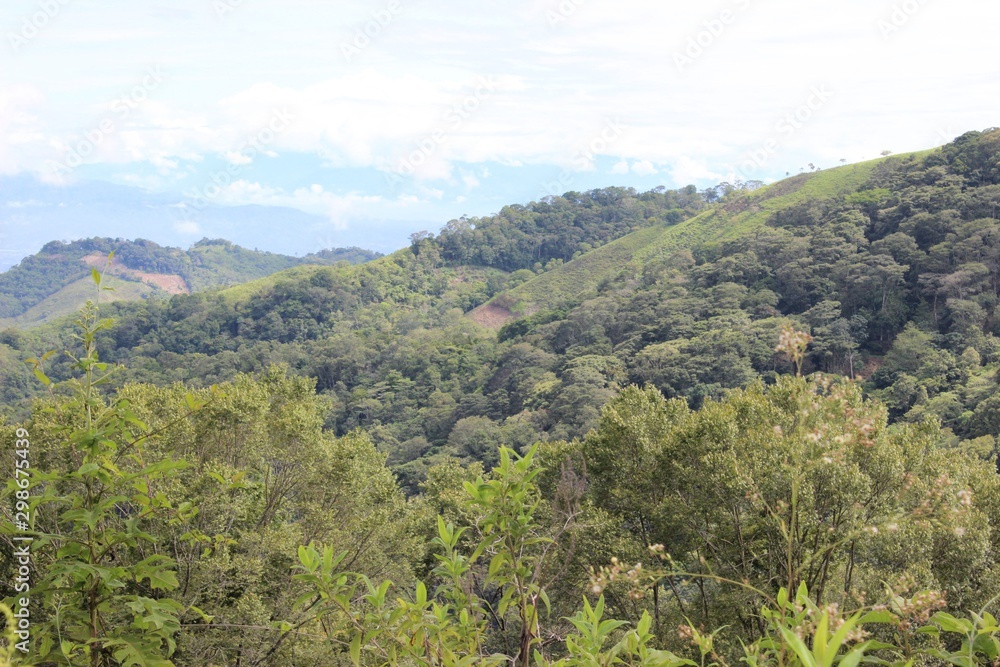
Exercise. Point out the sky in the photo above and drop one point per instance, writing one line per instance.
(378, 118)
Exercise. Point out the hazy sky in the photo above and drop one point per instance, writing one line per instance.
(445, 108)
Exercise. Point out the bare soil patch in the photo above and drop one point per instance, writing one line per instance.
(168, 282)
(491, 316)
(872, 364)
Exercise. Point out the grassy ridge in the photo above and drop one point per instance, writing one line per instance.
(250, 289)
(72, 297)
(581, 276)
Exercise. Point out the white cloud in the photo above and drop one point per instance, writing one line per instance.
(338, 208)
(603, 61)
(430, 193)
(189, 227)
(644, 168)
(164, 164)
(685, 171)
(620, 167)
(241, 190)
(23, 143)
(237, 158)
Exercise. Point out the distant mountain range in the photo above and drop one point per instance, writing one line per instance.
(33, 212)
(56, 281)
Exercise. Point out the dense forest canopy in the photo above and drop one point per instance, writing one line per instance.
(763, 428)
(888, 265)
(227, 526)
(560, 228)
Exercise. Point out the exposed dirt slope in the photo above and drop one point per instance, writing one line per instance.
(169, 283)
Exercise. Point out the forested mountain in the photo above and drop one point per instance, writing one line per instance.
(50, 281)
(643, 401)
(227, 526)
(889, 264)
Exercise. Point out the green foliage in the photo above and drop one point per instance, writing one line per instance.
(807, 485)
(275, 531)
(456, 623)
(51, 283)
(555, 229)
(448, 628)
(886, 264)
(132, 543)
(217, 263)
(103, 581)
(738, 216)
(58, 306)
(267, 478)
(646, 410)
(8, 651)
(589, 647)
(453, 625)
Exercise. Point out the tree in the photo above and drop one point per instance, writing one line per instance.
(801, 482)
(913, 352)
(103, 584)
(624, 449)
(266, 478)
(986, 418)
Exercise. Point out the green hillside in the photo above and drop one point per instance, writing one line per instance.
(70, 298)
(47, 285)
(741, 215)
(247, 290)
(522, 325)
(219, 263)
(605, 372)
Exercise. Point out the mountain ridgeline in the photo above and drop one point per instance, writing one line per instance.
(54, 281)
(520, 326)
(591, 430)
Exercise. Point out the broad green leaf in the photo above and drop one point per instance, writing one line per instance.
(949, 623)
(798, 646)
